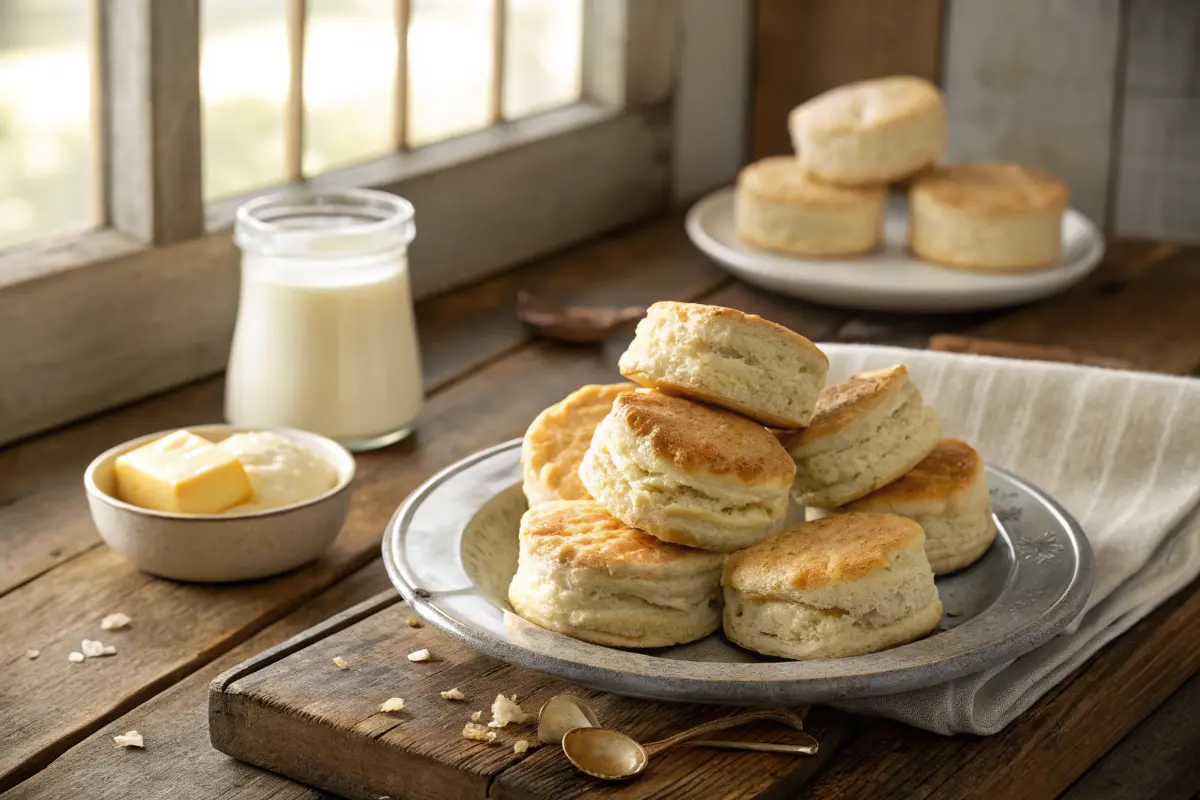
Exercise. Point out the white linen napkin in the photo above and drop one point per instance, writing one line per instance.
(1119, 450)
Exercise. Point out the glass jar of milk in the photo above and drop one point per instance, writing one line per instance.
(325, 339)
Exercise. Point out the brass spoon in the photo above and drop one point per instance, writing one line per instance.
(613, 756)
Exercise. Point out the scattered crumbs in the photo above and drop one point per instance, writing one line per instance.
(130, 739)
(419, 655)
(477, 733)
(108, 650)
(115, 622)
(392, 704)
(521, 747)
(341, 663)
(478, 715)
(91, 648)
(453, 694)
(506, 711)
(954, 613)
(413, 621)
(32, 654)
(75, 658)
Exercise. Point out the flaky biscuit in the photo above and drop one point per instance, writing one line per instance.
(778, 206)
(997, 216)
(688, 473)
(870, 132)
(843, 586)
(947, 495)
(583, 573)
(556, 441)
(725, 357)
(866, 432)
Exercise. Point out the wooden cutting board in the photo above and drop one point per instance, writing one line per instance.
(293, 711)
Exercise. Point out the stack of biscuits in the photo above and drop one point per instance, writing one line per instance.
(852, 142)
(657, 508)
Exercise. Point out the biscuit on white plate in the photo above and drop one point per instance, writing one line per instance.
(738, 361)
(688, 473)
(870, 132)
(987, 216)
(866, 432)
(583, 573)
(778, 206)
(947, 495)
(556, 441)
(843, 586)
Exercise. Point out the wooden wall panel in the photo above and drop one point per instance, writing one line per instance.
(1158, 173)
(1034, 81)
(804, 48)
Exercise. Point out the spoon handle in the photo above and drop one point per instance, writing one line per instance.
(809, 748)
(777, 714)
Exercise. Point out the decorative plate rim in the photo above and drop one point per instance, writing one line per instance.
(644, 675)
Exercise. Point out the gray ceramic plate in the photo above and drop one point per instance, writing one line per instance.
(451, 550)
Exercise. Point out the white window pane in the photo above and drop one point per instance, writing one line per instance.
(450, 66)
(48, 181)
(349, 82)
(244, 82)
(543, 52)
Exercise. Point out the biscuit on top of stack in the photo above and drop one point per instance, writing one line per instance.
(637, 494)
(851, 142)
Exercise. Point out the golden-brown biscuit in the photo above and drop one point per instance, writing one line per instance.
(556, 441)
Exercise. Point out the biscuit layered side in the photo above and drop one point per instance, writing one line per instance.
(947, 495)
(777, 206)
(556, 441)
(843, 586)
(867, 432)
(870, 132)
(585, 574)
(987, 217)
(738, 361)
(688, 473)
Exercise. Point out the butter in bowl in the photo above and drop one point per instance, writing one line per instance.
(218, 503)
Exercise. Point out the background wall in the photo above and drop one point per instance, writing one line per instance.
(1103, 93)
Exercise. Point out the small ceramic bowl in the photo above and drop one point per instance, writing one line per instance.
(221, 547)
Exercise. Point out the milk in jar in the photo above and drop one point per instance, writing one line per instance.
(325, 339)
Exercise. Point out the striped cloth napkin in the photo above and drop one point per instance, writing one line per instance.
(1119, 450)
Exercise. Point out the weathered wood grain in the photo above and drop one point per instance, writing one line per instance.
(1033, 81)
(1157, 759)
(1142, 306)
(152, 100)
(802, 49)
(1046, 749)
(178, 760)
(305, 718)
(1157, 176)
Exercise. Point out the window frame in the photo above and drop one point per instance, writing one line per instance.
(147, 301)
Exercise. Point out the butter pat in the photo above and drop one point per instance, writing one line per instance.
(182, 473)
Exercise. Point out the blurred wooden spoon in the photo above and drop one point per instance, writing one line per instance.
(573, 324)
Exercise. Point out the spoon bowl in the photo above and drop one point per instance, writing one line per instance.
(605, 754)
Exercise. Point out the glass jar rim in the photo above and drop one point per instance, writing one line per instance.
(369, 221)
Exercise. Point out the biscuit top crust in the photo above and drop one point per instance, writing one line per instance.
(698, 312)
(556, 441)
(583, 534)
(842, 403)
(833, 550)
(701, 438)
(866, 104)
(782, 178)
(952, 467)
(995, 188)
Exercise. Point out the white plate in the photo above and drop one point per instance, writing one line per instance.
(890, 279)
(452, 547)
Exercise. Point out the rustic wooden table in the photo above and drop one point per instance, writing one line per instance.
(1124, 725)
